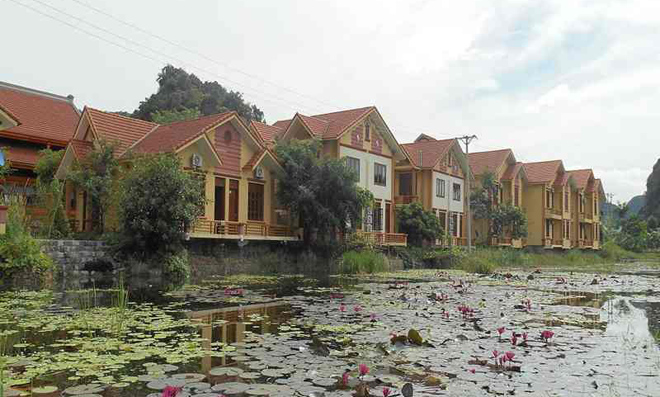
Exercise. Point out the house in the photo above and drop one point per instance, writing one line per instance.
(362, 137)
(547, 202)
(433, 173)
(238, 171)
(510, 181)
(587, 198)
(30, 121)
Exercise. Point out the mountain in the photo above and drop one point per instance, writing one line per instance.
(636, 204)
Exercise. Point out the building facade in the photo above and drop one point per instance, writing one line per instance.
(587, 198)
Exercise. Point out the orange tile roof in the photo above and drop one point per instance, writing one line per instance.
(172, 136)
(81, 148)
(480, 162)
(22, 155)
(582, 177)
(43, 117)
(562, 179)
(122, 130)
(512, 171)
(329, 125)
(267, 132)
(254, 160)
(543, 171)
(432, 151)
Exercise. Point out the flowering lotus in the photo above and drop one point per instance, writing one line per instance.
(472, 370)
(363, 369)
(357, 308)
(514, 338)
(547, 335)
(500, 331)
(386, 392)
(344, 378)
(509, 355)
(234, 291)
(171, 391)
(342, 307)
(495, 353)
(373, 317)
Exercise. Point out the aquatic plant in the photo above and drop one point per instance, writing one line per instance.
(514, 338)
(171, 391)
(345, 377)
(363, 369)
(342, 307)
(357, 308)
(500, 331)
(547, 335)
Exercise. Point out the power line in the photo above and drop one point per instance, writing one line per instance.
(291, 105)
(199, 54)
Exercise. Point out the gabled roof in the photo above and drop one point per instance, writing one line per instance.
(329, 125)
(115, 128)
(562, 179)
(492, 160)
(266, 132)
(513, 170)
(582, 178)
(424, 137)
(426, 153)
(170, 137)
(41, 116)
(81, 148)
(597, 185)
(543, 171)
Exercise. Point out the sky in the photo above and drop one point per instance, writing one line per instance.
(551, 79)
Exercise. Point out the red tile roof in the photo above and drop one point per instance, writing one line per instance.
(329, 125)
(543, 171)
(562, 179)
(480, 162)
(22, 155)
(43, 117)
(172, 136)
(254, 160)
(512, 171)
(267, 132)
(122, 130)
(582, 177)
(431, 151)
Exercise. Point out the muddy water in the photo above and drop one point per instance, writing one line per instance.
(296, 336)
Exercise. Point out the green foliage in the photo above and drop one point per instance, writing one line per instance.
(179, 91)
(633, 234)
(18, 249)
(365, 261)
(419, 224)
(158, 202)
(610, 250)
(50, 194)
(507, 219)
(177, 265)
(653, 239)
(430, 257)
(5, 169)
(476, 264)
(171, 116)
(97, 175)
(322, 192)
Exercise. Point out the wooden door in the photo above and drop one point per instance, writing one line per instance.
(219, 199)
(233, 200)
(388, 213)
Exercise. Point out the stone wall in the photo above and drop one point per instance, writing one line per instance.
(75, 256)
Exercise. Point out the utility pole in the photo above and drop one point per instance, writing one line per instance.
(466, 139)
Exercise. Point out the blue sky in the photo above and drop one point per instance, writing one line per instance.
(574, 80)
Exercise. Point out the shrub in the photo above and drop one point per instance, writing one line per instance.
(610, 250)
(177, 266)
(477, 264)
(20, 251)
(420, 225)
(366, 261)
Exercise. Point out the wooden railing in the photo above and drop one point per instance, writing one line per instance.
(501, 241)
(250, 228)
(405, 199)
(550, 212)
(557, 241)
(378, 238)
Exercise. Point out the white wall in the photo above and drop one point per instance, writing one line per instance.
(441, 202)
(367, 161)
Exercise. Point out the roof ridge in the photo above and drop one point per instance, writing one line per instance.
(28, 90)
(545, 161)
(491, 151)
(345, 110)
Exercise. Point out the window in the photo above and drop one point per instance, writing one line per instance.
(440, 187)
(377, 217)
(566, 202)
(548, 228)
(354, 164)
(516, 195)
(405, 184)
(454, 225)
(442, 215)
(549, 199)
(255, 202)
(457, 192)
(380, 174)
(367, 132)
(582, 203)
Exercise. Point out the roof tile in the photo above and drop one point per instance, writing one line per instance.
(480, 162)
(543, 171)
(122, 130)
(431, 151)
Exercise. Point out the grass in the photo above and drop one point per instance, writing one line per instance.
(487, 260)
(364, 261)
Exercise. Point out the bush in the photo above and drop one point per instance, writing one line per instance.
(177, 266)
(420, 225)
(610, 250)
(366, 261)
(20, 251)
(475, 263)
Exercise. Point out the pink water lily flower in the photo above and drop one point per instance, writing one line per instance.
(373, 317)
(495, 353)
(363, 369)
(547, 335)
(344, 378)
(386, 392)
(472, 370)
(509, 355)
(357, 308)
(170, 391)
(514, 338)
(342, 307)
(500, 331)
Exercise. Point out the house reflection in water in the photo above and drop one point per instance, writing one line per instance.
(230, 324)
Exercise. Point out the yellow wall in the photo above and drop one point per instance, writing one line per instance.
(534, 208)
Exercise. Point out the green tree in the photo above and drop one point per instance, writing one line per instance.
(420, 225)
(507, 219)
(159, 201)
(179, 90)
(321, 192)
(633, 235)
(171, 116)
(97, 174)
(50, 193)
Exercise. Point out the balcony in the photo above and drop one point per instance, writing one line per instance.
(553, 213)
(385, 239)
(405, 199)
(567, 244)
(251, 230)
(585, 218)
(506, 242)
(550, 243)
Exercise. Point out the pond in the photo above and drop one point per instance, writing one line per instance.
(444, 333)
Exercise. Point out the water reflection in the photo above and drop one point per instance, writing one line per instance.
(630, 319)
(229, 325)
